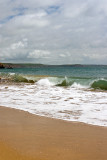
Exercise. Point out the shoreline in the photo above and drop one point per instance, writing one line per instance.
(32, 137)
(53, 118)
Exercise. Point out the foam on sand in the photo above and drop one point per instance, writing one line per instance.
(72, 103)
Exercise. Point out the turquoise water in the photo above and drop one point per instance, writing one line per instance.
(70, 71)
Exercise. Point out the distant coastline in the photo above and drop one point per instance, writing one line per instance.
(34, 65)
(8, 66)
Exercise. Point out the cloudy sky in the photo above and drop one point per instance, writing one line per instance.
(53, 31)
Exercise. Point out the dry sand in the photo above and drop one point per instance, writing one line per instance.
(24, 136)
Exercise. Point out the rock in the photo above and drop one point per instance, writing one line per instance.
(2, 66)
(31, 81)
(9, 67)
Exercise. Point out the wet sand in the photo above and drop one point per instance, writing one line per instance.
(24, 136)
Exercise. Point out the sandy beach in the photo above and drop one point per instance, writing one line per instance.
(24, 136)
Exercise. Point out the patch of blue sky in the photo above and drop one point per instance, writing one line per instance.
(20, 9)
(52, 9)
(5, 20)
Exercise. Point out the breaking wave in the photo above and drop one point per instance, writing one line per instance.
(99, 84)
(19, 78)
(14, 78)
(75, 82)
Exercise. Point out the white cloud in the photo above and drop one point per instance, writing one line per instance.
(61, 31)
(39, 54)
(58, 26)
(30, 20)
(74, 9)
(17, 45)
(62, 55)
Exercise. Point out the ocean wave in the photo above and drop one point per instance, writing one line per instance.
(44, 82)
(99, 84)
(11, 77)
(75, 82)
(82, 83)
(44, 98)
(66, 98)
(19, 78)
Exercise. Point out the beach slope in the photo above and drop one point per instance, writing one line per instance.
(24, 136)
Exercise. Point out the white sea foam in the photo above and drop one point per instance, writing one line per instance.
(68, 103)
(78, 86)
(44, 82)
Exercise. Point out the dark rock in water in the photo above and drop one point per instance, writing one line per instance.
(9, 67)
(31, 81)
(2, 66)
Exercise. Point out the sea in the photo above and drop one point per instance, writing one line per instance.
(76, 93)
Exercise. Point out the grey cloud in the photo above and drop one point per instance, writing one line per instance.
(68, 31)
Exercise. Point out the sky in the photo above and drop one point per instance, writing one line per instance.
(53, 31)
